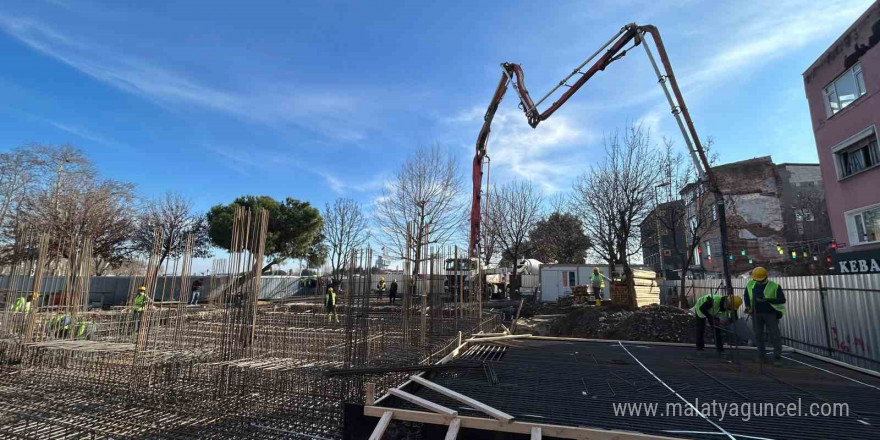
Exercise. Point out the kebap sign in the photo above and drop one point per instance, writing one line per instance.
(857, 262)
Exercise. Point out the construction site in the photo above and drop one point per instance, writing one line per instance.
(459, 347)
(232, 367)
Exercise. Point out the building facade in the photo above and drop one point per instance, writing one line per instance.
(842, 91)
(775, 216)
(666, 222)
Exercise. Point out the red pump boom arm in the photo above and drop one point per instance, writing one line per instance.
(615, 50)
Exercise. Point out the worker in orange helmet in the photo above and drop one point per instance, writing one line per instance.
(765, 302)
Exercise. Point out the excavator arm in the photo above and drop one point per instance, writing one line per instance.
(613, 50)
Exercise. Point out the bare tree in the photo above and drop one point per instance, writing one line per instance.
(560, 203)
(421, 205)
(19, 177)
(689, 222)
(516, 212)
(345, 229)
(173, 217)
(73, 205)
(617, 195)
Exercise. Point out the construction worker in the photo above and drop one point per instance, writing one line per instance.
(712, 308)
(597, 281)
(60, 326)
(392, 292)
(18, 305)
(330, 304)
(196, 291)
(380, 288)
(765, 302)
(85, 330)
(141, 301)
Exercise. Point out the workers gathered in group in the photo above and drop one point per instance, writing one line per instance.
(714, 309)
(380, 288)
(330, 304)
(765, 303)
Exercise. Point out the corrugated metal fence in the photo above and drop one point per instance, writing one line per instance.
(113, 291)
(835, 315)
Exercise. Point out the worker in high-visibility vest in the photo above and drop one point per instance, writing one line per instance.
(713, 308)
(84, 330)
(765, 302)
(141, 302)
(330, 304)
(18, 305)
(380, 288)
(597, 282)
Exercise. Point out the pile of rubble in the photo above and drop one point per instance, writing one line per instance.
(656, 322)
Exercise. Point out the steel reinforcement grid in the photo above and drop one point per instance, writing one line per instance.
(579, 384)
(830, 315)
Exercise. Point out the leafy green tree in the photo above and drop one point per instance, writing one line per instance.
(294, 228)
(560, 238)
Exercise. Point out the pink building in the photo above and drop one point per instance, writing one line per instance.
(842, 89)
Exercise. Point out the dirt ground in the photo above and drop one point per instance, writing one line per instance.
(657, 323)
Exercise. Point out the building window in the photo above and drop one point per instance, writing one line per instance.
(568, 279)
(802, 215)
(863, 225)
(858, 158)
(844, 90)
(856, 154)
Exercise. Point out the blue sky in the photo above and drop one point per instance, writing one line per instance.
(317, 100)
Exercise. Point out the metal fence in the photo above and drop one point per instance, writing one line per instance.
(834, 315)
(114, 290)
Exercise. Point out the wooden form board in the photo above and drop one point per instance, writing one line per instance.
(473, 403)
(427, 404)
(513, 427)
(381, 426)
(452, 432)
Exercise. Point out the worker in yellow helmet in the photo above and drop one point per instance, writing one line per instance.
(765, 302)
(713, 308)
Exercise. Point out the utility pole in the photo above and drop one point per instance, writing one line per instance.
(657, 218)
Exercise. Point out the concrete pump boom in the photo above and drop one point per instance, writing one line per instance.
(614, 49)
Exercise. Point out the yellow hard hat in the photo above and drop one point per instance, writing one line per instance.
(759, 274)
(141, 289)
(382, 278)
(735, 301)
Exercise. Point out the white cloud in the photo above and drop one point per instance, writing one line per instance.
(333, 182)
(242, 160)
(549, 155)
(763, 34)
(328, 113)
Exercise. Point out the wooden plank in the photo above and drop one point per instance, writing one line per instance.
(381, 426)
(785, 349)
(516, 427)
(536, 433)
(454, 426)
(427, 404)
(371, 393)
(449, 357)
(473, 403)
(499, 338)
